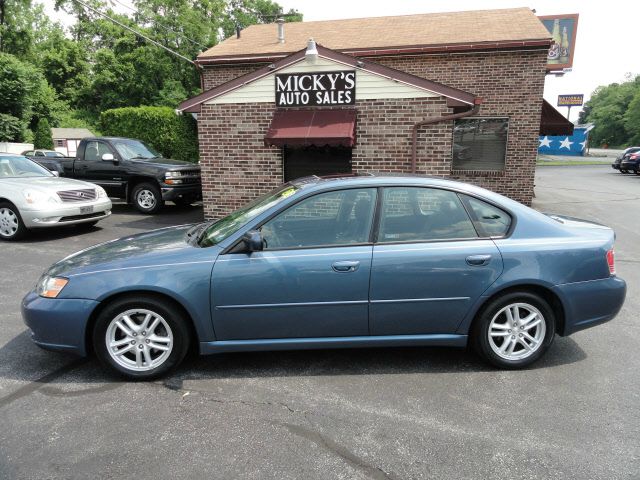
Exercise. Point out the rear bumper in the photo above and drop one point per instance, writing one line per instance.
(190, 191)
(629, 166)
(58, 323)
(615, 166)
(591, 303)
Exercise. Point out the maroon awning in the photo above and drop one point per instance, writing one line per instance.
(336, 128)
(553, 122)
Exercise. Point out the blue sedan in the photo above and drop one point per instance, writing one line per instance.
(363, 261)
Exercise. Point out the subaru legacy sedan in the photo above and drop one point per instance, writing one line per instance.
(365, 261)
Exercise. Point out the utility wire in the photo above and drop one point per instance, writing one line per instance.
(135, 32)
(137, 12)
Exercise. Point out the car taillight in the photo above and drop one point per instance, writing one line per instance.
(611, 262)
(634, 156)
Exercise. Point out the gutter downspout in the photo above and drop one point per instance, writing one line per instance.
(445, 118)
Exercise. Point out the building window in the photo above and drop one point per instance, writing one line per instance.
(59, 143)
(480, 143)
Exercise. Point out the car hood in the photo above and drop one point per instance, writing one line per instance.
(165, 246)
(45, 183)
(167, 162)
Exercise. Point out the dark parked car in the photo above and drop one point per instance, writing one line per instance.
(619, 159)
(49, 159)
(130, 169)
(631, 162)
(335, 263)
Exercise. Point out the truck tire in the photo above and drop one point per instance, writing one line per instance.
(146, 197)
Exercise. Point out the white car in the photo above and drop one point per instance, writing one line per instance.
(32, 197)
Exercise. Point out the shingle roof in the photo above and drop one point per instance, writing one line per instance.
(70, 133)
(469, 28)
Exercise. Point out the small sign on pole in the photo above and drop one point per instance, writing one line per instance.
(575, 100)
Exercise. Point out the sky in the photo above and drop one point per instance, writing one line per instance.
(604, 53)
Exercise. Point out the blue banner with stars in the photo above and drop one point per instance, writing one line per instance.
(564, 145)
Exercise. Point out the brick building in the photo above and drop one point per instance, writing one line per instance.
(457, 95)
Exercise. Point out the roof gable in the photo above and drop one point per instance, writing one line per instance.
(506, 27)
(373, 81)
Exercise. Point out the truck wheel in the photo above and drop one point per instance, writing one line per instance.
(147, 198)
(11, 224)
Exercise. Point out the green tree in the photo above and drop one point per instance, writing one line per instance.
(610, 109)
(632, 119)
(42, 136)
(11, 128)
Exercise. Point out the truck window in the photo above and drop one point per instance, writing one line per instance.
(95, 150)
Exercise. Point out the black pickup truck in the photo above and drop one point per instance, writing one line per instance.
(130, 169)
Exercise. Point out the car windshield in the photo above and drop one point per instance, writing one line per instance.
(134, 150)
(53, 154)
(221, 229)
(18, 166)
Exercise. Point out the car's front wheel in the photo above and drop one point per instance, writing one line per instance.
(11, 224)
(624, 171)
(142, 337)
(147, 198)
(514, 330)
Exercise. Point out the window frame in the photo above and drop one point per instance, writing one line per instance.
(464, 198)
(436, 240)
(235, 246)
(506, 145)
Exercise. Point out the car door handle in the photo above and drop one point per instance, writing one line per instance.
(343, 267)
(478, 260)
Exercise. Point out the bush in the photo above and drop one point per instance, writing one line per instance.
(11, 128)
(175, 136)
(42, 136)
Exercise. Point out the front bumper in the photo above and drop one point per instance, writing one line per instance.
(66, 214)
(58, 323)
(193, 192)
(591, 303)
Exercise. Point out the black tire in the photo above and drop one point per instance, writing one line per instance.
(146, 197)
(174, 318)
(9, 217)
(624, 171)
(480, 330)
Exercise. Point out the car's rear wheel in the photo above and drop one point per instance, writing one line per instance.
(514, 330)
(624, 171)
(141, 338)
(147, 198)
(11, 224)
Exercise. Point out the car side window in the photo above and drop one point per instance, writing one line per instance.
(334, 218)
(95, 150)
(416, 214)
(489, 220)
(39, 154)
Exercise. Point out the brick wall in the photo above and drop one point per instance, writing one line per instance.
(237, 166)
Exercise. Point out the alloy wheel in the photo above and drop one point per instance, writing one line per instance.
(9, 222)
(139, 340)
(517, 331)
(146, 199)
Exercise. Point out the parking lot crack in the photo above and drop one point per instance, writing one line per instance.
(349, 457)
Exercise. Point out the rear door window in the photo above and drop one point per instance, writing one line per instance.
(416, 214)
(489, 220)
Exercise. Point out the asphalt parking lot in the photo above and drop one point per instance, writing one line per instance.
(379, 414)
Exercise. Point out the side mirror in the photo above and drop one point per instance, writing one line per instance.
(253, 241)
(55, 173)
(108, 157)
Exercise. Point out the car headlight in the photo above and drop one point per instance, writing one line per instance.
(38, 197)
(50, 287)
(101, 193)
(173, 178)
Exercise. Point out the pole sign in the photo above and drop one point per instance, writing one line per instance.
(563, 29)
(571, 100)
(317, 89)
